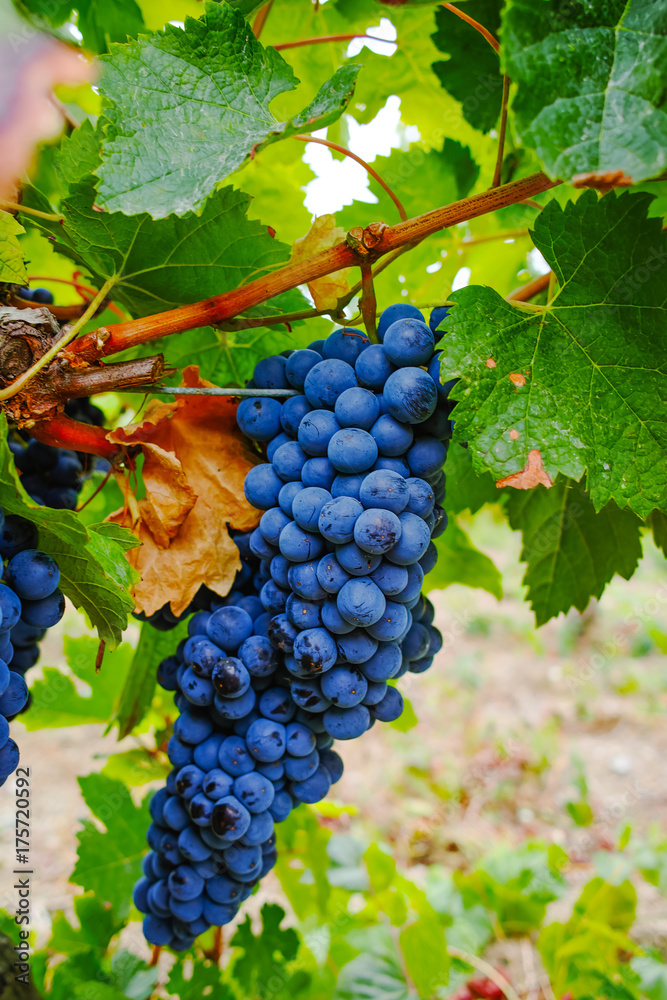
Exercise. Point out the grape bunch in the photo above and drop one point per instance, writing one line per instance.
(30, 602)
(326, 609)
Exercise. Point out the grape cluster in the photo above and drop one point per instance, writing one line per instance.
(326, 609)
(41, 296)
(242, 755)
(30, 602)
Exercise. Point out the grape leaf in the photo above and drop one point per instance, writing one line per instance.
(571, 551)
(191, 981)
(581, 382)
(471, 74)
(59, 702)
(170, 262)
(425, 954)
(460, 562)
(465, 489)
(94, 573)
(12, 262)
(186, 107)
(266, 954)
(97, 925)
(658, 524)
(78, 155)
(373, 977)
(109, 863)
(137, 693)
(590, 78)
(137, 767)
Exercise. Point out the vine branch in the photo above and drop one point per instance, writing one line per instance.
(367, 167)
(497, 173)
(213, 311)
(484, 32)
(329, 38)
(56, 348)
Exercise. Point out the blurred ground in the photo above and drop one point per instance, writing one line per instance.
(522, 734)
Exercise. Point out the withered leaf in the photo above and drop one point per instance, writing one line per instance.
(324, 234)
(195, 461)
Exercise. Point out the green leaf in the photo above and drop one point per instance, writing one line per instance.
(373, 977)
(137, 767)
(303, 863)
(460, 562)
(658, 525)
(207, 88)
(137, 693)
(170, 262)
(591, 84)
(465, 489)
(78, 155)
(425, 955)
(191, 981)
(12, 262)
(381, 868)
(583, 379)
(97, 925)
(101, 22)
(572, 552)
(653, 975)
(56, 699)
(109, 863)
(265, 955)
(407, 720)
(471, 74)
(94, 573)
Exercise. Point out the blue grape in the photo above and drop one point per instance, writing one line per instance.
(10, 608)
(230, 818)
(413, 542)
(401, 310)
(266, 740)
(298, 545)
(300, 768)
(392, 623)
(288, 461)
(275, 443)
(254, 791)
(392, 438)
(345, 345)
(229, 627)
(307, 506)
(292, 413)
(361, 602)
(287, 495)
(373, 367)
(262, 486)
(269, 373)
(330, 574)
(429, 559)
(352, 450)
(357, 407)
(314, 788)
(32, 574)
(315, 650)
(326, 381)
(230, 677)
(307, 694)
(426, 457)
(271, 524)
(344, 687)
(410, 395)
(390, 708)
(300, 739)
(346, 723)
(299, 364)
(275, 704)
(357, 646)
(384, 489)
(330, 760)
(303, 614)
(376, 531)
(304, 580)
(347, 486)
(333, 620)
(318, 472)
(355, 561)
(337, 519)
(391, 579)
(259, 418)
(316, 430)
(438, 317)
(408, 342)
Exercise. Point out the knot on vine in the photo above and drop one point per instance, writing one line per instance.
(365, 241)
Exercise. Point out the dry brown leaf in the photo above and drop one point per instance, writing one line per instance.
(602, 180)
(195, 461)
(530, 476)
(324, 234)
(32, 64)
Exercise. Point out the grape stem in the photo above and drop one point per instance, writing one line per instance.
(103, 342)
(12, 206)
(484, 32)
(329, 38)
(497, 173)
(486, 969)
(353, 156)
(368, 303)
(260, 20)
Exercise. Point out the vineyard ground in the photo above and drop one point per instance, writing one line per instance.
(513, 724)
